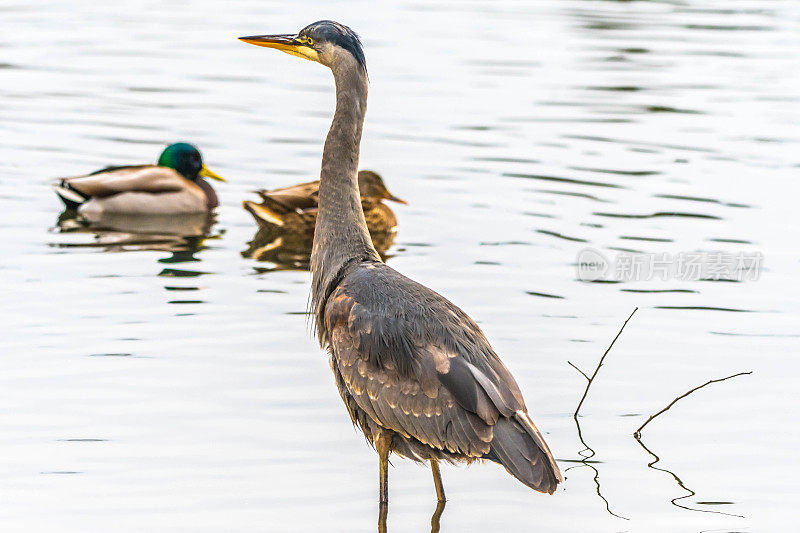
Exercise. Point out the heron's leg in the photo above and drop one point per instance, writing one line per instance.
(383, 443)
(437, 480)
(382, 512)
(437, 515)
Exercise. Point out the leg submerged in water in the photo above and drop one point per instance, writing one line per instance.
(383, 511)
(437, 516)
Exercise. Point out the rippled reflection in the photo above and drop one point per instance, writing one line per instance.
(289, 250)
(689, 492)
(286, 219)
(436, 517)
(183, 235)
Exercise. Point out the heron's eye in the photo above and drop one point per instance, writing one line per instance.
(309, 41)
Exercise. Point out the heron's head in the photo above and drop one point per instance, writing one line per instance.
(371, 186)
(185, 158)
(324, 41)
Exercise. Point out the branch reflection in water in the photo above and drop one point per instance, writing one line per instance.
(587, 452)
(638, 436)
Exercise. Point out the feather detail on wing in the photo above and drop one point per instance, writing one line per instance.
(263, 215)
(416, 364)
(145, 178)
(286, 199)
(400, 404)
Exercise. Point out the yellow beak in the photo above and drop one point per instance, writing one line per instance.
(204, 172)
(285, 43)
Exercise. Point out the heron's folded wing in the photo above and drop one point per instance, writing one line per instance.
(394, 318)
(398, 343)
(424, 410)
(410, 372)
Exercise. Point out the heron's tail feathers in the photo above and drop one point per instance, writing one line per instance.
(521, 449)
(264, 217)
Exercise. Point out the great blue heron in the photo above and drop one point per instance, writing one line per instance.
(174, 186)
(415, 372)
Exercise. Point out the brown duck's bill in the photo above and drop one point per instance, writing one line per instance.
(394, 198)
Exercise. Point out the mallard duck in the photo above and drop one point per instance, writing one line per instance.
(294, 209)
(173, 186)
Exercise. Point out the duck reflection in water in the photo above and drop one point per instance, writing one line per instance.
(182, 235)
(286, 218)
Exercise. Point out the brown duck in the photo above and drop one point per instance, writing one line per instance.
(294, 209)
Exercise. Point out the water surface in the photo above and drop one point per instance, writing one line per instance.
(171, 384)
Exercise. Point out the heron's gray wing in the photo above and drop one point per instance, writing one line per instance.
(399, 345)
(417, 406)
(397, 320)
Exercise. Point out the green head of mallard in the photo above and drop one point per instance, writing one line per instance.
(185, 159)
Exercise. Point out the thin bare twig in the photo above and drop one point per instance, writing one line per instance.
(578, 369)
(596, 370)
(638, 432)
(588, 452)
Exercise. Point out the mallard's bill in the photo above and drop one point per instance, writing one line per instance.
(204, 172)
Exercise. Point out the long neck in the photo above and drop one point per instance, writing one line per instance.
(341, 233)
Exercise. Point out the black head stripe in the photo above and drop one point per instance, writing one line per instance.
(337, 34)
